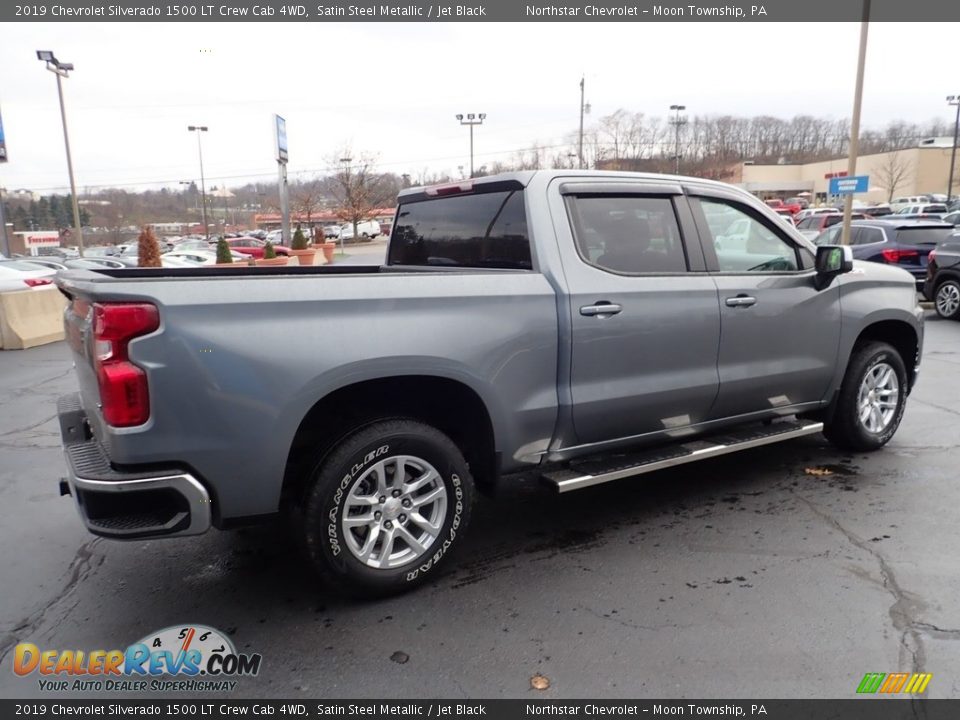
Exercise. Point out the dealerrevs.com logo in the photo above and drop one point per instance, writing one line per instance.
(179, 658)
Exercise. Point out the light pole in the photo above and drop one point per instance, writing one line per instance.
(953, 100)
(203, 185)
(186, 196)
(348, 194)
(62, 70)
(677, 123)
(584, 109)
(854, 147)
(470, 121)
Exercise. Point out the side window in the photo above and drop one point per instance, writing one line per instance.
(744, 243)
(869, 236)
(829, 237)
(629, 234)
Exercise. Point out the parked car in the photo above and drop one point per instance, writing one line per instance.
(23, 275)
(593, 330)
(253, 247)
(803, 214)
(880, 210)
(942, 284)
(801, 202)
(192, 258)
(926, 209)
(185, 245)
(952, 218)
(365, 229)
(93, 263)
(812, 226)
(785, 214)
(902, 202)
(890, 240)
(275, 237)
(778, 204)
(43, 262)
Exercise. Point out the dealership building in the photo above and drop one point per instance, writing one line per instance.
(913, 171)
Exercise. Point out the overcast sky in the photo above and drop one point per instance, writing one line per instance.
(393, 89)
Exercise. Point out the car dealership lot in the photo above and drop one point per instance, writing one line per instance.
(786, 571)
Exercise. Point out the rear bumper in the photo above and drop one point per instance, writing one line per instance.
(123, 505)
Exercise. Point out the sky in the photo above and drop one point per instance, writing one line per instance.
(393, 89)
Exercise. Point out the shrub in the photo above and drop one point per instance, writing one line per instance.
(269, 253)
(223, 252)
(148, 249)
(299, 240)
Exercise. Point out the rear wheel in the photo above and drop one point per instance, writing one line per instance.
(947, 300)
(387, 507)
(871, 400)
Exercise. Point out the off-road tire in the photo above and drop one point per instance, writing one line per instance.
(343, 469)
(845, 428)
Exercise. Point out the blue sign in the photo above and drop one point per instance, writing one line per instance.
(281, 139)
(849, 185)
(3, 145)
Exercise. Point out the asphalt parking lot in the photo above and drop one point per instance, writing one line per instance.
(787, 571)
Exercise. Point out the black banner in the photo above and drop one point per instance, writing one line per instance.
(79, 11)
(872, 708)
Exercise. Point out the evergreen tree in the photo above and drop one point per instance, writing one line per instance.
(148, 249)
(223, 252)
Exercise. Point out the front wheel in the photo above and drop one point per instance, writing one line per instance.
(386, 507)
(871, 400)
(947, 300)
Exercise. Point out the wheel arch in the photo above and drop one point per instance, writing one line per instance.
(448, 404)
(901, 335)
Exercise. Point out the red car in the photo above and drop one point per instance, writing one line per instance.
(253, 246)
(778, 205)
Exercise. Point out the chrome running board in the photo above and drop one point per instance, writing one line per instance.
(584, 473)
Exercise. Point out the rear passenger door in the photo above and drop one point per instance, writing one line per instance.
(644, 314)
(779, 335)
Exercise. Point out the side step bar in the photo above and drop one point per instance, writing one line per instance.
(584, 473)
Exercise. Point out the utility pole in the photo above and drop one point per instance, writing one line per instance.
(582, 107)
(855, 123)
(677, 122)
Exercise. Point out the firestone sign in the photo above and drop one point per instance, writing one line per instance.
(40, 239)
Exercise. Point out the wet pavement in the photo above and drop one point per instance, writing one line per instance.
(785, 571)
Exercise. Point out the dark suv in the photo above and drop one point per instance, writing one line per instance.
(943, 278)
(904, 243)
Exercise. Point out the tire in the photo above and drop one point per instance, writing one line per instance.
(355, 482)
(863, 418)
(946, 300)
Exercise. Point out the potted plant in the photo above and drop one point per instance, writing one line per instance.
(224, 256)
(321, 243)
(270, 256)
(300, 249)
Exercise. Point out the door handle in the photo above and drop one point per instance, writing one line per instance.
(741, 301)
(600, 309)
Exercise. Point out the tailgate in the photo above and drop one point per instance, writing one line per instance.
(78, 328)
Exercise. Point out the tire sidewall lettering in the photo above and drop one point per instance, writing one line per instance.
(333, 537)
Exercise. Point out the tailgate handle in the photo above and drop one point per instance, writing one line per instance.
(600, 309)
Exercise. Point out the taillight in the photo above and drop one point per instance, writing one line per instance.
(124, 396)
(37, 282)
(453, 189)
(893, 255)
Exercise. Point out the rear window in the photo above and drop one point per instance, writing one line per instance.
(485, 230)
(923, 236)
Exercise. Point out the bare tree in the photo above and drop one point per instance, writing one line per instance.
(357, 188)
(307, 199)
(892, 173)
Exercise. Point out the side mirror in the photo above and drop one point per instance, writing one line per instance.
(832, 260)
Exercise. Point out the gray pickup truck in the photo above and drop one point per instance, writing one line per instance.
(579, 326)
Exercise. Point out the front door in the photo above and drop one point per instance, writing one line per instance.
(779, 335)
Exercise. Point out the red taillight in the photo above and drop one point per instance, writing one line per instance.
(892, 255)
(124, 395)
(37, 282)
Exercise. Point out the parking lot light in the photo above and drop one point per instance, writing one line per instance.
(203, 186)
(62, 70)
(471, 120)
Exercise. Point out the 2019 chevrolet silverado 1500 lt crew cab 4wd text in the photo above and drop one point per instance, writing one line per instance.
(583, 326)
